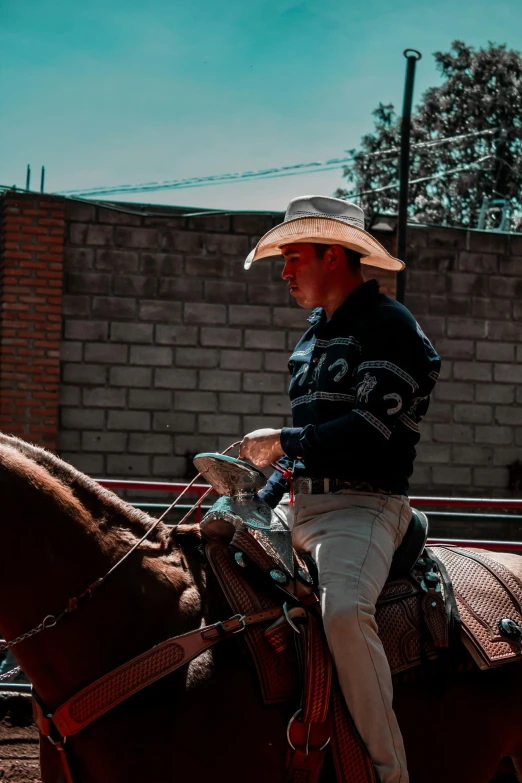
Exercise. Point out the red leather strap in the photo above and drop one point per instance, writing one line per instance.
(352, 762)
(309, 732)
(45, 727)
(63, 760)
(308, 743)
(278, 676)
(318, 673)
(105, 693)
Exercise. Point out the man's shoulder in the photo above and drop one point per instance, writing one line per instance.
(397, 324)
(393, 314)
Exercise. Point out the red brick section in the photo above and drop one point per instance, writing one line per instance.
(31, 273)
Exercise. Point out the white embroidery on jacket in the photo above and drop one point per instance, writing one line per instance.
(339, 341)
(343, 364)
(368, 383)
(301, 374)
(416, 401)
(326, 396)
(397, 407)
(377, 423)
(326, 344)
(318, 367)
(408, 422)
(383, 365)
(304, 352)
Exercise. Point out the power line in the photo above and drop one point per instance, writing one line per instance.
(438, 175)
(216, 179)
(435, 142)
(275, 172)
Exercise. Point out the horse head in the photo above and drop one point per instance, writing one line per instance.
(60, 532)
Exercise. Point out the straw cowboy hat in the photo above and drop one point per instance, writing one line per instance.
(327, 221)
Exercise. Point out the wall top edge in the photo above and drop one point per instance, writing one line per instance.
(189, 211)
(465, 228)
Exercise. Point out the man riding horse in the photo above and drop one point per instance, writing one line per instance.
(362, 375)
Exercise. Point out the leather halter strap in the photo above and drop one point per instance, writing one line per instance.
(99, 697)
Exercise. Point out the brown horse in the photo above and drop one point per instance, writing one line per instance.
(60, 531)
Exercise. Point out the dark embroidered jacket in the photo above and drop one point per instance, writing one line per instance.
(361, 383)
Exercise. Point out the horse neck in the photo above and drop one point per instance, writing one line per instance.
(45, 560)
(140, 604)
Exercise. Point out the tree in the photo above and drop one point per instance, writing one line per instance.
(471, 181)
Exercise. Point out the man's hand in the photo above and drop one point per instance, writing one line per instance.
(261, 447)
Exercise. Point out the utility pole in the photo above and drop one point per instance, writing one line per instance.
(28, 177)
(42, 180)
(412, 55)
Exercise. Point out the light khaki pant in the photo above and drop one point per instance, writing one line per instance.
(352, 537)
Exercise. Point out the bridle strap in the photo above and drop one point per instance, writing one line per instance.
(45, 727)
(99, 697)
(73, 603)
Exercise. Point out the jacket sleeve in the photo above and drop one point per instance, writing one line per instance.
(385, 383)
(276, 486)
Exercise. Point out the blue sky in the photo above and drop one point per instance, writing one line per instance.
(112, 92)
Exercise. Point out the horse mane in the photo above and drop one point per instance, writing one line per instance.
(83, 499)
(38, 478)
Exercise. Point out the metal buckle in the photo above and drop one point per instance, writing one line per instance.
(294, 716)
(49, 726)
(242, 627)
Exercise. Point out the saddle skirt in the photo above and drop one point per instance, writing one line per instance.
(485, 591)
(489, 599)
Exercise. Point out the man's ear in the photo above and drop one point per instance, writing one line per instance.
(334, 256)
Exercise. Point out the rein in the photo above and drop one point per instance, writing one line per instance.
(51, 620)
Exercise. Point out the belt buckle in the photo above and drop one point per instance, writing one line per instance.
(303, 485)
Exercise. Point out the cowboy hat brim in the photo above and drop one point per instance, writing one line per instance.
(323, 230)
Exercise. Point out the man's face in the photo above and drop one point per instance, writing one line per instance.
(307, 276)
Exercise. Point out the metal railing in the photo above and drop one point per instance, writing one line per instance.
(425, 503)
(433, 504)
(197, 490)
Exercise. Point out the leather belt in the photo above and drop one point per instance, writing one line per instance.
(322, 486)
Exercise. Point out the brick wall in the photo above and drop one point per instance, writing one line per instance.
(465, 289)
(170, 347)
(31, 269)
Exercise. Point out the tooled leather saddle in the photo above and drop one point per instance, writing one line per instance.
(433, 595)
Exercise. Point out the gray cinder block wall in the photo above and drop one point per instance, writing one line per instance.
(170, 347)
(465, 288)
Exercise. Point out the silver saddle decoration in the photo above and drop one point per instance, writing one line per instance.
(238, 483)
